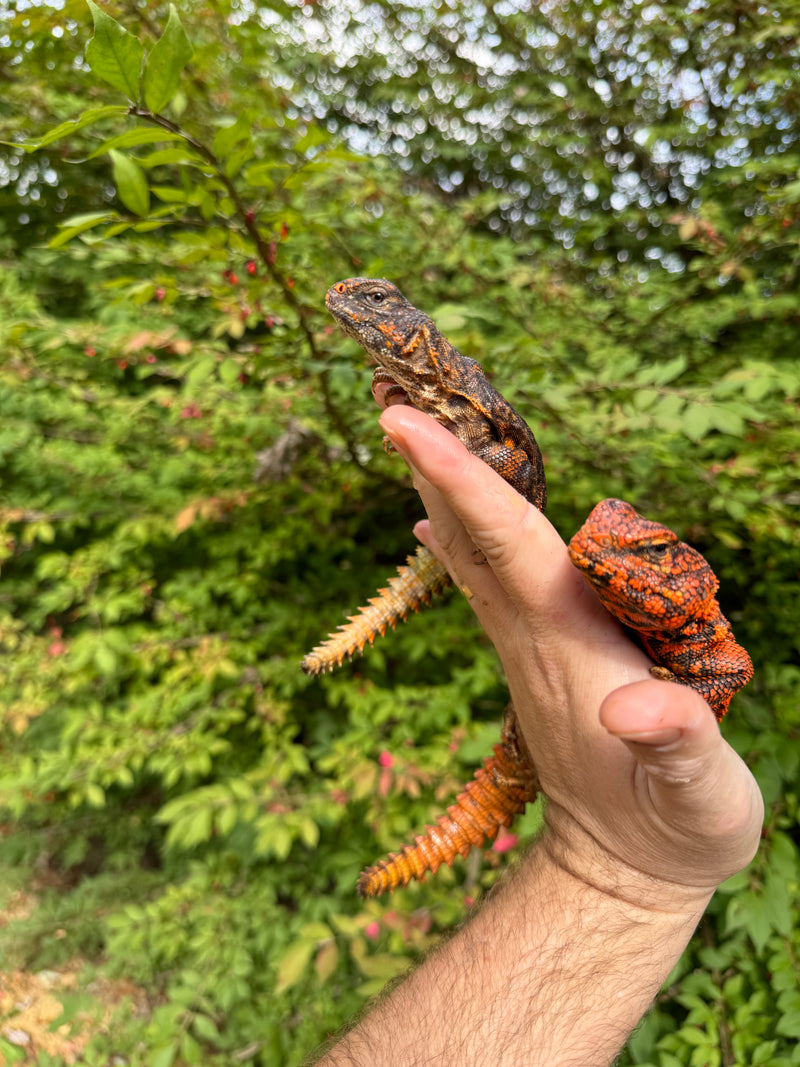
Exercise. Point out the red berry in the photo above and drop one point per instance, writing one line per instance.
(251, 266)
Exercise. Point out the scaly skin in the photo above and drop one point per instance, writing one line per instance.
(438, 380)
(499, 792)
(413, 586)
(417, 360)
(664, 590)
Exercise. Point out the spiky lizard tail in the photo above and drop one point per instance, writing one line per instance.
(501, 788)
(413, 586)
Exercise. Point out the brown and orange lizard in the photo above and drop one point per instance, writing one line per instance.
(415, 359)
(659, 587)
(663, 590)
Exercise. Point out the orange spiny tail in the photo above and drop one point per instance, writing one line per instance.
(501, 788)
(412, 587)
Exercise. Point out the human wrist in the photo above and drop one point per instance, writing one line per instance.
(575, 851)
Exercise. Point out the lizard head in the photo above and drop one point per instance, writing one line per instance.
(376, 314)
(642, 573)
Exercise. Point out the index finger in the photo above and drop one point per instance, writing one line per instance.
(507, 529)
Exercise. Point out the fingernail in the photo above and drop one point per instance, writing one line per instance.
(396, 437)
(655, 738)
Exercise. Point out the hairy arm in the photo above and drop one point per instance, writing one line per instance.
(648, 809)
(551, 971)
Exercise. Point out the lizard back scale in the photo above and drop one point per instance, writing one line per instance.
(663, 590)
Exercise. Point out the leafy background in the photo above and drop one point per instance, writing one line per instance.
(599, 202)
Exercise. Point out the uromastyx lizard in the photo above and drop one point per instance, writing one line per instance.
(415, 358)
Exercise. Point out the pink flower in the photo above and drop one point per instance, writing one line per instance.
(386, 759)
(505, 841)
(372, 930)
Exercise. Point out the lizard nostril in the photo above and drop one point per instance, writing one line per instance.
(339, 287)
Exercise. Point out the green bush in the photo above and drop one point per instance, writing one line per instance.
(194, 493)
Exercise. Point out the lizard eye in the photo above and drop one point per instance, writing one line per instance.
(656, 550)
(376, 296)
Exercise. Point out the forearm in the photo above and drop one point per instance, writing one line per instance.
(551, 971)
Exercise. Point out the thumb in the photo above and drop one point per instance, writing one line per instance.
(694, 784)
(668, 728)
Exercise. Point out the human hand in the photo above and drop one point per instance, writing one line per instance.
(645, 798)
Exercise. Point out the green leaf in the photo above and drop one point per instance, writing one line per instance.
(788, 1025)
(309, 833)
(169, 55)
(315, 135)
(163, 1056)
(66, 129)
(261, 175)
(317, 931)
(131, 183)
(229, 371)
(191, 1051)
(293, 964)
(696, 421)
(79, 224)
(202, 369)
(661, 373)
(327, 960)
(114, 54)
(141, 135)
(206, 1028)
(165, 156)
(228, 136)
(195, 829)
(384, 966)
(105, 660)
(450, 317)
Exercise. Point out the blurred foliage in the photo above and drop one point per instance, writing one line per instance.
(598, 202)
